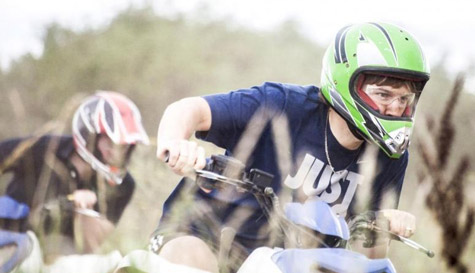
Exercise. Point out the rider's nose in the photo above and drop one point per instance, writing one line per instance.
(394, 109)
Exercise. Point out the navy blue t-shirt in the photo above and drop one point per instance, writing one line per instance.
(309, 173)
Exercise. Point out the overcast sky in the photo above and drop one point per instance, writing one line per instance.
(441, 26)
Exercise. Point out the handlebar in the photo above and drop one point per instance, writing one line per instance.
(67, 203)
(371, 226)
(222, 169)
(229, 171)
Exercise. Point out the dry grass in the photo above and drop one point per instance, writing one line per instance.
(446, 198)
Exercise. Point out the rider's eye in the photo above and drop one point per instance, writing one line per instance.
(382, 94)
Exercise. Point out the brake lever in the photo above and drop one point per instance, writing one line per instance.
(393, 236)
(84, 211)
(221, 178)
(88, 212)
(211, 175)
(407, 241)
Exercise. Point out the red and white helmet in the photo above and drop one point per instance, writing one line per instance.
(111, 114)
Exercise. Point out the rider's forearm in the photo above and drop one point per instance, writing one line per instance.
(93, 231)
(184, 117)
(180, 120)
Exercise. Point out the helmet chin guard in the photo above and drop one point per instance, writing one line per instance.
(110, 114)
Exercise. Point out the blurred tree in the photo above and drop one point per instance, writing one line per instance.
(156, 60)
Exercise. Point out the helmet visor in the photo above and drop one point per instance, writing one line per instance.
(390, 102)
(386, 97)
(387, 100)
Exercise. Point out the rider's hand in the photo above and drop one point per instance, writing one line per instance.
(182, 156)
(84, 199)
(399, 222)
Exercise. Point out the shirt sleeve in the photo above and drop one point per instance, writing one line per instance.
(231, 112)
(8, 162)
(387, 186)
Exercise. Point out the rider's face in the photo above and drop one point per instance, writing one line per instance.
(391, 101)
(116, 155)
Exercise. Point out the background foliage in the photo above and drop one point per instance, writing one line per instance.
(156, 61)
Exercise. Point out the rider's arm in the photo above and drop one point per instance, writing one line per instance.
(399, 222)
(179, 122)
(90, 230)
(387, 187)
(219, 118)
(8, 154)
(184, 117)
(93, 231)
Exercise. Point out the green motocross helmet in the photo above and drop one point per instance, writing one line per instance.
(373, 49)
